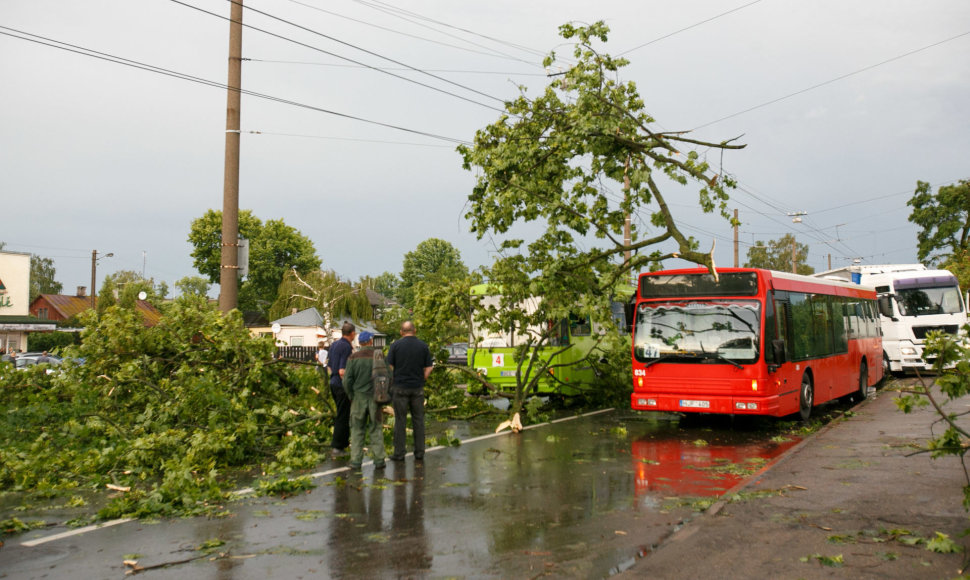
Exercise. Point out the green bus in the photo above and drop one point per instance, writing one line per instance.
(568, 352)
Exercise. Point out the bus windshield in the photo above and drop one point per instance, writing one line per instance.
(923, 301)
(726, 331)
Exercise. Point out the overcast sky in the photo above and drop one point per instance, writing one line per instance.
(843, 107)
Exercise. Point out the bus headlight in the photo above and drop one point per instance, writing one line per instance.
(647, 402)
(907, 351)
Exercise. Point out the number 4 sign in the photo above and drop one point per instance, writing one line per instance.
(498, 360)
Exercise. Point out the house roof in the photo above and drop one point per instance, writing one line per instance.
(68, 306)
(311, 318)
(308, 317)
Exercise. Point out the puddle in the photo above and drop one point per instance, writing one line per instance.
(702, 460)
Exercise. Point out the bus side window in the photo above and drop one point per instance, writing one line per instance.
(841, 343)
(802, 326)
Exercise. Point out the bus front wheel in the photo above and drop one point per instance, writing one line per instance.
(806, 397)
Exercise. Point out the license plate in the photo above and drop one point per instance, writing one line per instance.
(507, 373)
(695, 404)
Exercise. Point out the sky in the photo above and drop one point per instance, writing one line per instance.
(843, 106)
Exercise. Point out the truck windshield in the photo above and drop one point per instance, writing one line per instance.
(924, 301)
(719, 331)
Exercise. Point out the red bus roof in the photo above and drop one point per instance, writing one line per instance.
(781, 281)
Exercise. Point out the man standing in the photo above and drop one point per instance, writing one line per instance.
(321, 357)
(337, 363)
(364, 412)
(411, 360)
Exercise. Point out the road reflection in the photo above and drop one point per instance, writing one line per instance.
(700, 463)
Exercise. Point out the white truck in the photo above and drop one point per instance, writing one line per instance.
(913, 301)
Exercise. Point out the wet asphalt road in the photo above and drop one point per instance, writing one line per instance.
(582, 497)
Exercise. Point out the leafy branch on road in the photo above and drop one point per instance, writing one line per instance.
(162, 415)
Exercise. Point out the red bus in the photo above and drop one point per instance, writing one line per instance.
(751, 342)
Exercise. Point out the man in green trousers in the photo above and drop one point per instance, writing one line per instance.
(366, 416)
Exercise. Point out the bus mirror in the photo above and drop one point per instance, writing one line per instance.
(778, 350)
(628, 309)
(885, 303)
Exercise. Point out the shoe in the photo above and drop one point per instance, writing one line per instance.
(419, 456)
(380, 465)
(355, 466)
(397, 458)
(336, 453)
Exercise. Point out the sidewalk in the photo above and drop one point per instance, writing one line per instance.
(840, 494)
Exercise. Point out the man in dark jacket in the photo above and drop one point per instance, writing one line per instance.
(366, 416)
(337, 363)
(411, 359)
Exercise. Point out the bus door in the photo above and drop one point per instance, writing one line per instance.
(784, 376)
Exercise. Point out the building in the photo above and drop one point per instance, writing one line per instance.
(16, 323)
(61, 307)
(308, 328)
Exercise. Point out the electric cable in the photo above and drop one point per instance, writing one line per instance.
(688, 28)
(159, 70)
(318, 49)
(488, 51)
(832, 80)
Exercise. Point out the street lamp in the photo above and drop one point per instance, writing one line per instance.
(94, 273)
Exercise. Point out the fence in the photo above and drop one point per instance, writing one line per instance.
(300, 353)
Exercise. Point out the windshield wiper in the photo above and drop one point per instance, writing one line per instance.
(717, 355)
(668, 357)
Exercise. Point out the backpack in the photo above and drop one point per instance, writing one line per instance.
(381, 378)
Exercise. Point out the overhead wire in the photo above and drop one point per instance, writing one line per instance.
(832, 80)
(454, 71)
(318, 49)
(166, 72)
(486, 52)
(686, 28)
(398, 12)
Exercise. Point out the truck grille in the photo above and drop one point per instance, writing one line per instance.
(921, 331)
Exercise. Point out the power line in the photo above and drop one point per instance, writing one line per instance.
(456, 71)
(695, 25)
(298, 43)
(830, 81)
(487, 52)
(398, 12)
(379, 141)
(158, 70)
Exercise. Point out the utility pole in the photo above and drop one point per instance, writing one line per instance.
(228, 278)
(94, 274)
(736, 261)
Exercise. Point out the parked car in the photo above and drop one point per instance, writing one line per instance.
(457, 353)
(29, 359)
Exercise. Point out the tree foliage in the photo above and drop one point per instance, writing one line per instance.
(192, 286)
(123, 287)
(433, 261)
(274, 249)
(777, 255)
(167, 411)
(558, 163)
(951, 363)
(944, 219)
(42, 274)
(324, 290)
